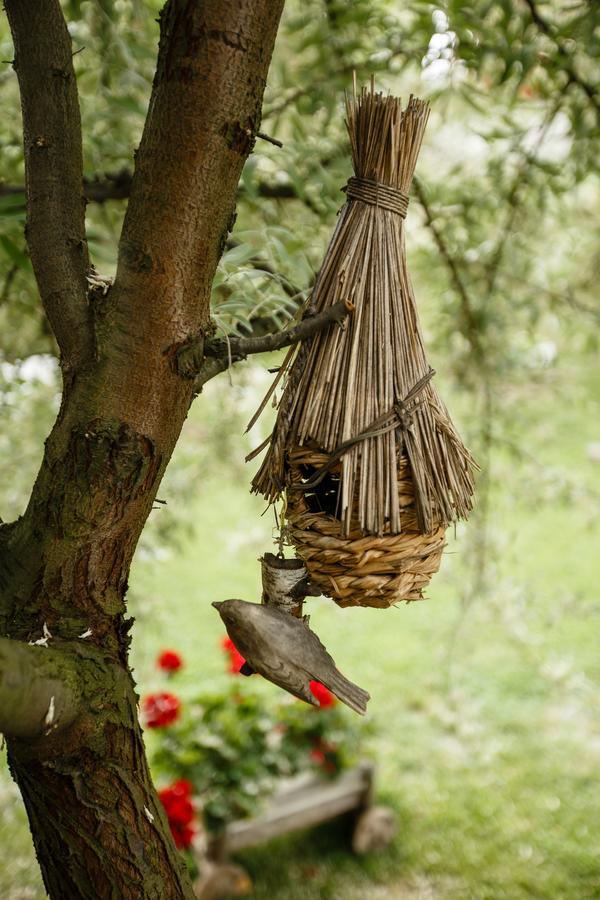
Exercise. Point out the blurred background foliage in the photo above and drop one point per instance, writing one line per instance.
(484, 695)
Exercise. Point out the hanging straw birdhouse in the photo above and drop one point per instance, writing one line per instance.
(363, 450)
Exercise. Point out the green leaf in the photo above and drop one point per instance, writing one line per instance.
(18, 256)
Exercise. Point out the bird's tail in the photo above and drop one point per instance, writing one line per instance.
(348, 692)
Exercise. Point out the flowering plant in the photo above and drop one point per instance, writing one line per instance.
(232, 743)
(323, 694)
(177, 801)
(236, 660)
(169, 661)
(160, 710)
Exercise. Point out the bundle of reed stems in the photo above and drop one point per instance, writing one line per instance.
(360, 397)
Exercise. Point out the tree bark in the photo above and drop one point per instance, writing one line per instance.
(39, 691)
(97, 824)
(53, 170)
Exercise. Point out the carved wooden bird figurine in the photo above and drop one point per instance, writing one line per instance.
(284, 650)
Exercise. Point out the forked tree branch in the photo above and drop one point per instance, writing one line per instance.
(53, 169)
(199, 130)
(204, 360)
(38, 692)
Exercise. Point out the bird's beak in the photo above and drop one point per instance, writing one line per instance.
(217, 604)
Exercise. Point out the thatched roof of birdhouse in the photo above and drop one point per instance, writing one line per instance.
(363, 392)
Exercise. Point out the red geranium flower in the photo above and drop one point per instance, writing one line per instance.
(180, 788)
(183, 835)
(169, 661)
(179, 808)
(323, 694)
(160, 710)
(181, 811)
(323, 756)
(317, 756)
(236, 660)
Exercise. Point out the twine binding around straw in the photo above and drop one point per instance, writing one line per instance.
(375, 193)
(400, 417)
(365, 462)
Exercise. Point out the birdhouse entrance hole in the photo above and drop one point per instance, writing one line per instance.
(324, 498)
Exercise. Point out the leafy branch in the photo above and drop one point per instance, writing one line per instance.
(549, 30)
(468, 312)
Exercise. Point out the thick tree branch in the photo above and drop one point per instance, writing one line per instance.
(117, 186)
(95, 817)
(193, 148)
(38, 689)
(203, 117)
(53, 169)
(204, 360)
(109, 186)
(98, 189)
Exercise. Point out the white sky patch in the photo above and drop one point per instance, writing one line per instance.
(41, 367)
(439, 42)
(440, 20)
(557, 144)
(544, 353)
(440, 63)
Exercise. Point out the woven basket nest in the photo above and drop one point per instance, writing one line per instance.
(363, 449)
(358, 569)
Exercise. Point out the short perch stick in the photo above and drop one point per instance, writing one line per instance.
(204, 360)
(285, 583)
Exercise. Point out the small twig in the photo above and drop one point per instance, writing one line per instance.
(574, 78)
(10, 277)
(345, 69)
(268, 138)
(309, 326)
(512, 201)
(219, 355)
(456, 277)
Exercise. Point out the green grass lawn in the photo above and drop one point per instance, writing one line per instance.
(487, 727)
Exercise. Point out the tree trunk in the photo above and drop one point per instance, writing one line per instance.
(98, 827)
